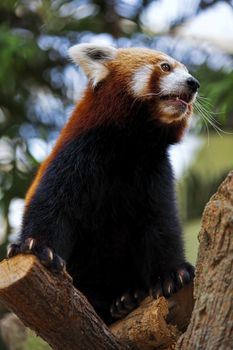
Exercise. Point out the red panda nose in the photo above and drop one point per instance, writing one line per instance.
(193, 84)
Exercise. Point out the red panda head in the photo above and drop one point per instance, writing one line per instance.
(145, 76)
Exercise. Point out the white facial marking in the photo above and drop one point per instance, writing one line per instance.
(168, 109)
(168, 112)
(194, 97)
(141, 79)
(174, 80)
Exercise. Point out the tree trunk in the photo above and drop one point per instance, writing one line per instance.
(211, 325)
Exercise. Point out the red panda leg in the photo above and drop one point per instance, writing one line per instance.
(165, 286)
(168, 285)
(45, 254)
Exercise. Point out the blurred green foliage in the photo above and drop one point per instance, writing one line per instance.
(217, 90)
(191, 230)
(34, 342)
(202, 178)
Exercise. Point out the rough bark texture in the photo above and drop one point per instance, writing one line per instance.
(211, 326)
(61, 315)
(140, 326)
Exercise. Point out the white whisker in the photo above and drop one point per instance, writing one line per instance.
(207, 116)
(208, 109)
(208, 113)
(206, 123)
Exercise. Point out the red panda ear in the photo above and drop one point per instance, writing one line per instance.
(92, 59)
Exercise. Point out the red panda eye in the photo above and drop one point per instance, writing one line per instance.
(165, 67)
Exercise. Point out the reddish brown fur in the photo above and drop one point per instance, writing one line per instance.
(95, 108)
(113, 101)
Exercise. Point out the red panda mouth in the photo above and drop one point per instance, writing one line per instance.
(182, 98)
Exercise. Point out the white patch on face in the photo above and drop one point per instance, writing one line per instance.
(174, 81)
(168, 112)
(141, 78)
(194, 97)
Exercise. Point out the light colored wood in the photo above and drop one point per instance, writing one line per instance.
(12, 271)
(139, 327)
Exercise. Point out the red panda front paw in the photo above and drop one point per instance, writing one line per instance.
(45, 254)
(127, 302)
(169, 284)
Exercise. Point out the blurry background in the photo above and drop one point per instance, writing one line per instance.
(39, 86)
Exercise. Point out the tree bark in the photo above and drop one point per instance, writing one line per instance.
(211, 325)
(52, 307)
(62, 316)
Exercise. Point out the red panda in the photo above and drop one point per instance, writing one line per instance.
(103, 202)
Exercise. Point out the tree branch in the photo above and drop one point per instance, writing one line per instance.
(52, 307)
(61, 315)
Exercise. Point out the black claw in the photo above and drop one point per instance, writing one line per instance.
(168, 287)
(25, 247)
(184, 275)
(30, 243)
(169, 284)
(58, 264)
(139, 295)
(128, 302)
(43, 253)
(156, 291)
(112, 312)
(46, 256)
(115, 315)
(191, 270)
(13, 250)
(119, 306)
